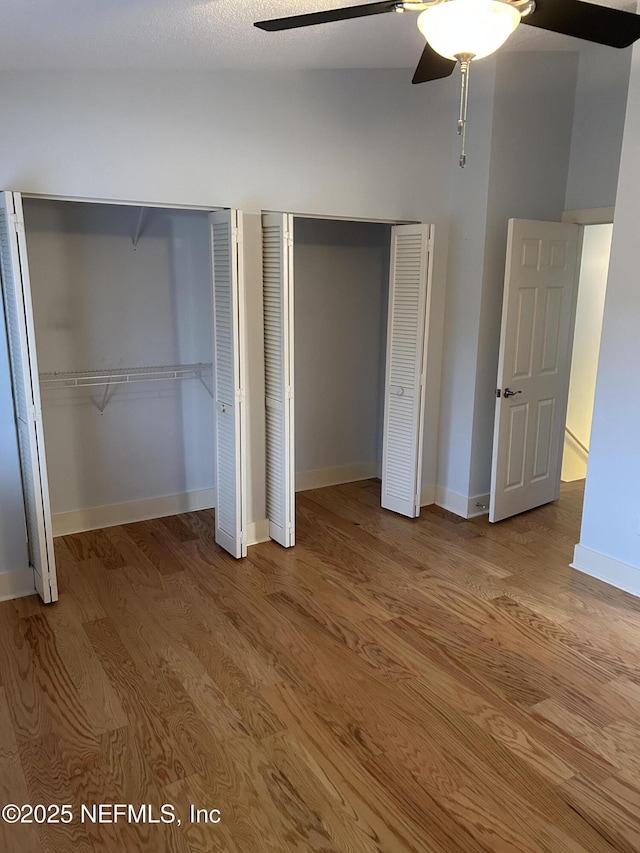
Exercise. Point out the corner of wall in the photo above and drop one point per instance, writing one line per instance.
(463, 505)
(607, 569)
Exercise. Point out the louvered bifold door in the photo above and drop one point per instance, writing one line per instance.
(409, 298)
(26, 393)
(229, 370)
(277, 261)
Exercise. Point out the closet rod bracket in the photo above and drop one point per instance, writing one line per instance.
(105, 399)
(204, 384)
(136, 236)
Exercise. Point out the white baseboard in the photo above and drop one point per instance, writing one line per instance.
(16, 584)
(428, 494)
(453, 501)
(96, 517)
(321, 477)
(258, 531)
(462, 505)
(607, 569)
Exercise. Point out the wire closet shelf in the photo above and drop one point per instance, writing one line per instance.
(125, 375)
(118, 375)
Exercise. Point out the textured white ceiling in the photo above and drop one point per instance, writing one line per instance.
(201, 34)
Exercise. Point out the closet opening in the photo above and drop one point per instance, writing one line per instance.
(346, 306)
(122, 307)
(341, 291)
(126, 338)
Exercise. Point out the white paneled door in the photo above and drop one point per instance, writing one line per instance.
(277, 261)
(534, 364)
(409, 302)
(229, 372)
(26, 392)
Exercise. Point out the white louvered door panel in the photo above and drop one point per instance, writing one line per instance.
(277, 262)
(229, 371)
(26, 391)
(409, 299)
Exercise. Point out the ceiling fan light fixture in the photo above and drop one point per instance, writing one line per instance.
(472, 28)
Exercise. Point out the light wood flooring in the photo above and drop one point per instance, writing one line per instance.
(389, 685)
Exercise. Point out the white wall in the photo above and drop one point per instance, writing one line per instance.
(341, 289)
(596, 141)
(468, 205)
(594, 266)
(519, 137)
(353, 143)
(610, 538)
(100, 303)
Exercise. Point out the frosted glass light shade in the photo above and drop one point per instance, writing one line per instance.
(475, 27)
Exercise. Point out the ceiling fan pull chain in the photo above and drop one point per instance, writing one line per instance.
(465, 65)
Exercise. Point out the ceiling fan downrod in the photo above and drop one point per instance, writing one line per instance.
(465, 66)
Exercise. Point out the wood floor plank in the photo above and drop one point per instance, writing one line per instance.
(13, 787)
(79, 592)
(341, 823)
(395, 826)
(158, 545)
(95, 692)
(613, 809)
(48, 776)
(389, 685)
(207, 629)
(94, 544)
(474, 698)
(161, 751)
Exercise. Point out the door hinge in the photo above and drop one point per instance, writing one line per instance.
(289, 392)
(498, 392)
(17, 223)
(288, 238)
(430, 244)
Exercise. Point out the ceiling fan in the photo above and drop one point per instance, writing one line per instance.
(462, 31)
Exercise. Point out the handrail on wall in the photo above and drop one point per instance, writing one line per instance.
(572, 435)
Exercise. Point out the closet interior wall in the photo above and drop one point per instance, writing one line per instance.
(341, 292)
(114, 290)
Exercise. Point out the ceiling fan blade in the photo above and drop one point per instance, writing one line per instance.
(432, 66)
(600, 24)
(328, 16)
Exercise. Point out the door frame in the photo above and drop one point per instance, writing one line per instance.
(373, 221)
(589, 216)
(581, 217)
(117, 203)
(203, 208)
